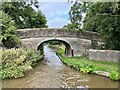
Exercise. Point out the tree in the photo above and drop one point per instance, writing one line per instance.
(76, 15)
(105, 19)
(70, 27)
(24, 15)
(7, 25)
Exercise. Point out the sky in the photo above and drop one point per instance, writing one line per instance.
(56, 12)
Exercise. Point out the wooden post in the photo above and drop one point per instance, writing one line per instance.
(72, 52)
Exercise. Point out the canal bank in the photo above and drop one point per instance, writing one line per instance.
(52, 73)
(87, 66)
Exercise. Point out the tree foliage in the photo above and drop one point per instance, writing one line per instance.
(100, 17)
(105, 19)
(24, 14)
(75, 15)
(19, 15)
(7, 31)
(70, 27)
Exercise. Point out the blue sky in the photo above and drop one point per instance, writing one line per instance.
(56, 13)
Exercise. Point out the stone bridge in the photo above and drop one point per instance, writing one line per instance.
(77, 43)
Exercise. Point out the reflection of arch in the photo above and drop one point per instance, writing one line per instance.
(67, 45)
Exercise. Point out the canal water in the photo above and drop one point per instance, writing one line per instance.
(52, 73)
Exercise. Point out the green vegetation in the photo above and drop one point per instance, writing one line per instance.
(87, 66)
(15, 62)
(70, 27)
(24, 15)
(75, 16)
(101, 17)
(58, 48)
(14, 15)
(105, 19)
(7, 34)
(17, 15)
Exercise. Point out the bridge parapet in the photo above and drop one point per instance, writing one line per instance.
(57, 32)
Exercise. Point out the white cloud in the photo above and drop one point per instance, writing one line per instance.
(56, 13)
(54, 7)
(57, 22)
(53, 0)
(62, 12)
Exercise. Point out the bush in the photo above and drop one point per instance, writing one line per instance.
(17, 61)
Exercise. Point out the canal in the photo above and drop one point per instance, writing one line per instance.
(52, 73)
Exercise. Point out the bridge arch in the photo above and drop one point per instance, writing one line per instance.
(68, 47)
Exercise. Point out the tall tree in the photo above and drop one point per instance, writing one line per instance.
(105, 19)
(76, 15)
(24, 14)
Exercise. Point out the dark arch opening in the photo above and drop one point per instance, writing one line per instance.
(68, 49)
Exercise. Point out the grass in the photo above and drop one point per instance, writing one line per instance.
(15, 62)
(85, 65)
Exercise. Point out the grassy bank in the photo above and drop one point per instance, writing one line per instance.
(83, 64)
(15, 62)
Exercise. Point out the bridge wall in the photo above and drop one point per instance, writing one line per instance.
(79, 42)
(79, 46)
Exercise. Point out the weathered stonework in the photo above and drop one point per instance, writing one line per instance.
(78, 42)
(57, 32)
(104, 55)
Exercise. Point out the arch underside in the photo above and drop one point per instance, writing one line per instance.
(74, 46)
(68, 48)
